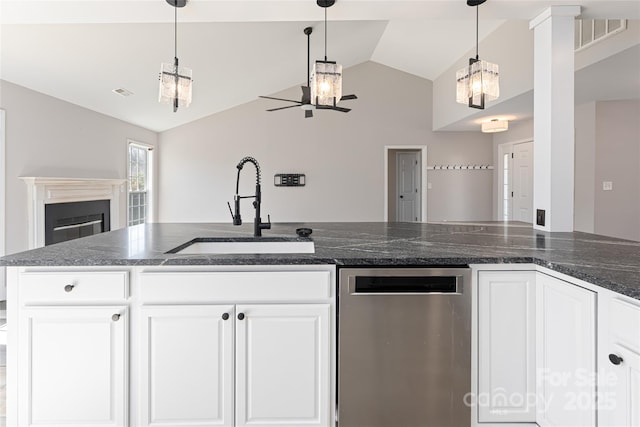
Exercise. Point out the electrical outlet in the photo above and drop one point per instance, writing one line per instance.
(607, 185)
(540, 217)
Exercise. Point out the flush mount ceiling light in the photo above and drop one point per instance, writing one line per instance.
(326, 79)
(479, 81)
(175, 81)
(495, 125)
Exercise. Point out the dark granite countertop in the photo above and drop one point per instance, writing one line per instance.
(604, 261)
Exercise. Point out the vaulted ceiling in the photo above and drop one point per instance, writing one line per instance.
(79, 51)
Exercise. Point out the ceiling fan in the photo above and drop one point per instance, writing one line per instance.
(305, 100)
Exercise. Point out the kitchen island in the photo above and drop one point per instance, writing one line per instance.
(604, 261)
(144, 337)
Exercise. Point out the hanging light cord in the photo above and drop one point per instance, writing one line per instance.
(325, 33)
(175, 30)
(477, 57)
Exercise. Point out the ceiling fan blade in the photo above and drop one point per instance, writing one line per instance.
(331, 107)
(341, 109)
(308, 114)
(284, 108)
(306, 94)
(347, 97)
(279, 99)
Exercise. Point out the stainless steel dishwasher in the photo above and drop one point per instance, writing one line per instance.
(404, 347)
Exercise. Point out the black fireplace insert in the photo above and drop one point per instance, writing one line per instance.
(68, 221)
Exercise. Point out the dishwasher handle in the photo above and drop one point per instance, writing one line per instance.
(449, 284)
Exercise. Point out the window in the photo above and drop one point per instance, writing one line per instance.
(506, 192)
(139, 183)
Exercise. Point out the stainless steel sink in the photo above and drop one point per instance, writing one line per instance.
(225, 246)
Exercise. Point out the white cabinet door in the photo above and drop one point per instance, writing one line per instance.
(186, 366)
(506, 346)
(283, 365)
(72, 368)
(619, 388)
(566, 353)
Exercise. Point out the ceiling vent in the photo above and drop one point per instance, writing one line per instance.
(590, 31)
(122, 92)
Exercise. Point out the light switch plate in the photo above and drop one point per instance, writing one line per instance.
(607, 185)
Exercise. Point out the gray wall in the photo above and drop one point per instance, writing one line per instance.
(607, 148)
(341, 154)
(49, 137)
(585, 167)
(617, 159)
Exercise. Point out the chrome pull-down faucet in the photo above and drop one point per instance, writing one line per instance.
(258, 225)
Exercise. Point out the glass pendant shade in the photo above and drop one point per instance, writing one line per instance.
(477, 83)
(175, 85)
(326, 83)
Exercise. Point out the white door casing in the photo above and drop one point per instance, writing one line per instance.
(389, 152)
(408, 170)
(523, 182)
(515, 181)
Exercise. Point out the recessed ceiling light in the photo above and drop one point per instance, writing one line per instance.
(122, 91)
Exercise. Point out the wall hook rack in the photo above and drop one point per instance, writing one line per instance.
(460, 167)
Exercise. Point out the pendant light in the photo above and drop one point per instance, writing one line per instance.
(326, 79)
(479, 82)
(175, 81)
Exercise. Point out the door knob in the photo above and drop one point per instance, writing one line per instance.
(615, 359)
(115, 317)
(240, 316)
(402, 197)
(225, 316)
(69, 288)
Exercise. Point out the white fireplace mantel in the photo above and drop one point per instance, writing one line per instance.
(48, 190)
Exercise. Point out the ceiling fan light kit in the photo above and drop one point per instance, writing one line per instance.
(176, 82)
(479, 82)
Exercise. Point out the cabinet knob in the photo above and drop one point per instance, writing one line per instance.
(69, 288)
(240, 316)
(615, 359)
(115, 317)
(225, 316)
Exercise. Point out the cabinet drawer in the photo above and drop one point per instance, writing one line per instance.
(53, 286)
(237, 286)
(625, 323)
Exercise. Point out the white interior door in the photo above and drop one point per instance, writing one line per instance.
(523, 182)
(408, 186)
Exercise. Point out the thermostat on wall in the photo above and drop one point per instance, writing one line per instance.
(289, 180)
